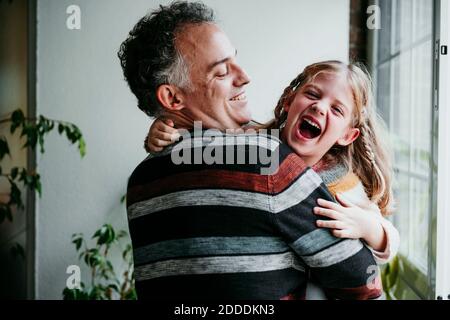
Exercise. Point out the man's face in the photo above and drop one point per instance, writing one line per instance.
(217, 96)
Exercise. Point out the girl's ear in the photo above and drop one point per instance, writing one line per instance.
(351, 135)
(288, 101)
(170, 97)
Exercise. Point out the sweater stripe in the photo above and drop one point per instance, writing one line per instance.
(334, 254)
(218, 265)
(289, 170)
(314, 242)
(208, 197)
(208, 246)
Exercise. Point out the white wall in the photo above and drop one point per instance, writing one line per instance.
(80, 80)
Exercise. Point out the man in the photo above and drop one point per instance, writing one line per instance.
(222, 230)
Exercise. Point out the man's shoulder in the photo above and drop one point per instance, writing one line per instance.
(247, 152)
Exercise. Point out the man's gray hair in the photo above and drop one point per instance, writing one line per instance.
(149, 57)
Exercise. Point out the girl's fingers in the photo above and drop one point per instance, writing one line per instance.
(343, 200)
(339, 233)
(169, 123)
(162, 127)
(159, 142)
(328, 204)
(155, 149)
(165, 136)
(331, 224)
(332, 214)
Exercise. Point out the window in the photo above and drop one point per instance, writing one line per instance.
(403, 68)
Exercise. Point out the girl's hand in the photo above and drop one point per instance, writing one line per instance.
(161, 134)
(350, 221)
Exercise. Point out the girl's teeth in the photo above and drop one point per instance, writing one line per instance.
(312, 123)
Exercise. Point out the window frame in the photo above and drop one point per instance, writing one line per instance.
(412, 283)
(441, 119)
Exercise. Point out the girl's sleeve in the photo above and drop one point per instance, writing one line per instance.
(392, 240)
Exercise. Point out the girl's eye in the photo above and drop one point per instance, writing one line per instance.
(312, 94)
(223, 75)
(338, 110)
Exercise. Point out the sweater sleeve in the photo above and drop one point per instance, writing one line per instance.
(344, 268)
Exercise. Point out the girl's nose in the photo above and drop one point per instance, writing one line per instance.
(318, 108)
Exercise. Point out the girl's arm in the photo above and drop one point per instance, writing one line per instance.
(360, 221)
(161, 134)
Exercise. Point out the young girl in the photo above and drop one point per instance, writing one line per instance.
(326, 115)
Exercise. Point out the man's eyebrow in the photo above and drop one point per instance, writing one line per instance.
(214, 64)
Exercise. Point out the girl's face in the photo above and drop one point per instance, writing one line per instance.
(320, 116)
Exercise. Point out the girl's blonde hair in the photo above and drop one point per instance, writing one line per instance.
(367, 156)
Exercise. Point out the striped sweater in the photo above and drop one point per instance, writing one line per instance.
(225, 231)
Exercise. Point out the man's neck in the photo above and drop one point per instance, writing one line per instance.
(183, 121)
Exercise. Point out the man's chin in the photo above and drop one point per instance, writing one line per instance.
(244, 117)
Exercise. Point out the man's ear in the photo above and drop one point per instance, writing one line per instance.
(351, 135)
(170, 97)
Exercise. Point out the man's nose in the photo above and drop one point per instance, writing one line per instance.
(241, 78)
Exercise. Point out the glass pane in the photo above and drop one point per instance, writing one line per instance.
(402, 36)
(421, 108)
(423, 13)
(418, 250)
(384, 34)
(384, 92)
(402, 215)
(401, 109)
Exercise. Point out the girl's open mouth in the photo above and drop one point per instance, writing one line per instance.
(309, 129)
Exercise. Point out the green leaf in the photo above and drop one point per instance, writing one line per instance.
(41, 143)
(60, 128)
(4, 148)
(124, 197)
(15, 195)
(13, 127)
(17, 117)
(38, 185)
(14, 172)
(105, 235)
(109, 266)
(78, 243)
(31, 132)
(82, 147)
